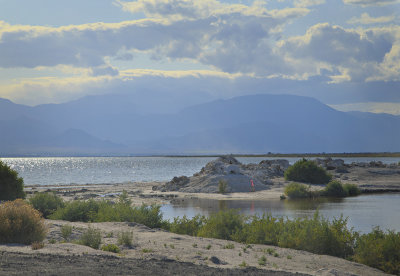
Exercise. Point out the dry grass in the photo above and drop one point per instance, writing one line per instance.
(20, 223)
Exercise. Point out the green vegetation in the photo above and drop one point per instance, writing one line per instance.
(222, 186)
(380, 250)
(125, 238)
(307, 171)
(297, 190)
(20, 223)
(229, 246)
(262, 260)
(66, 231)
(11, 186)
(187, 226)
(147, 250)
(46, 203)
(333, 189)
(111, 248)
(91, 237)
(243, 264)
(101, 211)
(351, 189)
(222, 225)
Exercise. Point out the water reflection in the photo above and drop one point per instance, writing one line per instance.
(363, 212)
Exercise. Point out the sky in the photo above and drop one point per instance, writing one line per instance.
(346, 53)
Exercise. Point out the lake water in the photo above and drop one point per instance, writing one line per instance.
(97, 170)
(364, 212)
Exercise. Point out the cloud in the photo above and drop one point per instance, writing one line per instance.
(357, 54)
(232, 38)
(374, 107)
(365, 3)
(367, 19)
(308, 3)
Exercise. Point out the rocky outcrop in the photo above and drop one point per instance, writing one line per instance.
(238, 177)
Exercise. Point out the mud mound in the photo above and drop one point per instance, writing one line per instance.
(238, 177)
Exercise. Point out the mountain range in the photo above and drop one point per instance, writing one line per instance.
(126, 124)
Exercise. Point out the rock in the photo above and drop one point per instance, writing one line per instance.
(239, 177)
(215, 260)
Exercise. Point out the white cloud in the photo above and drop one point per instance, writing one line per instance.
(367, 19)
(234, 38)
(308, 3)
(355, 55)
(374, 107)
(366, 3)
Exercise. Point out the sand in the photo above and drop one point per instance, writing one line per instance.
(158, 252)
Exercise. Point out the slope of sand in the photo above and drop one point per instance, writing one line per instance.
(156, 251)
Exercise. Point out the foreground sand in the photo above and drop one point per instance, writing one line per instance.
(162, 253)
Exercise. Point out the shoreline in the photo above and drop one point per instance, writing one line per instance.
(269, 155)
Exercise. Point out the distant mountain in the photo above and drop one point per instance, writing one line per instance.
(117, 124)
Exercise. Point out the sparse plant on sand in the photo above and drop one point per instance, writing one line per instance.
(66, 231)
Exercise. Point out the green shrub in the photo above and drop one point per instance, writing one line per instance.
(20, 223)
(125, 238)
(262, 260)
(11, 186)
(91, 237)
(297, 190)
(187, 226)
(222, 225)
(46, 203)
(78, 210)
(307, 171)
(380, 250)
(351, 189)
(334, 189)
(222, 186)
(111, 248)
(66, 231)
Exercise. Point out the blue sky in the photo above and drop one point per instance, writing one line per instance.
(344, 52)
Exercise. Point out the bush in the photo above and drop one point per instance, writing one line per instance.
(91, 237)
(11, 186)
(297, 190)
(307, 171)
(111, 248)
(222, 186)
(335, 189)
(78, 211)
(66, 231)
(20, 223)
(380, 250)
(222, 225)
(46, 203)
(185, 226)
(352, 189)
(125, 238)
(102, 211)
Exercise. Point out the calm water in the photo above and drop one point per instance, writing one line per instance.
(363, 212)
(96, 170)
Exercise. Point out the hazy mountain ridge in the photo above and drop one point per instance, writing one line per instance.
(106, 124)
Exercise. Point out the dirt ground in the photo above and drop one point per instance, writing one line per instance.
(158, 252)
